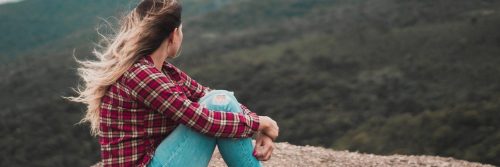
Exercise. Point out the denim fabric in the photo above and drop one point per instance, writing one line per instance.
(185, 147)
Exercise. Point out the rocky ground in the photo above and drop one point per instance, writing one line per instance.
(287, 155)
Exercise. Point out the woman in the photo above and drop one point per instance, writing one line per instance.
(147, 112)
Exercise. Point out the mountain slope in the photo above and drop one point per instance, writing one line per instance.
(31, 23)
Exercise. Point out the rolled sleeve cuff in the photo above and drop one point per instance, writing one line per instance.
(253, 123)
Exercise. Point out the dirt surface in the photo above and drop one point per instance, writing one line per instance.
(287, 155)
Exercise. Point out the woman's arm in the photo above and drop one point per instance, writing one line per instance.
(246, 110)
(197, 90)
(152, 88)
(194, 89)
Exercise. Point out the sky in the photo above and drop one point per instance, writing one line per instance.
(8, 1)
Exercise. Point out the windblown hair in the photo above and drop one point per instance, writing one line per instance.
(141, 32)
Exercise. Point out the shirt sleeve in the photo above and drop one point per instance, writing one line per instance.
(197, 90)
(194, 89)
(247, 111)
(152, 88)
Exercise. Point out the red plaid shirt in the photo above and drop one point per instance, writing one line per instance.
(146, 104)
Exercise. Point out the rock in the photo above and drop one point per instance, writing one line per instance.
(287, 155)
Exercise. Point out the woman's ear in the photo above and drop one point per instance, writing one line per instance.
(172, 36)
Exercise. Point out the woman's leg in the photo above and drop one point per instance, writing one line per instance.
(184, 147)
(237, 152)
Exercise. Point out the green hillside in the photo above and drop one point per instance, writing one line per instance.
(34, 23)
(378, 76)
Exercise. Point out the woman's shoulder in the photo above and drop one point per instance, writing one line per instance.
(141, 64)
(140, 68)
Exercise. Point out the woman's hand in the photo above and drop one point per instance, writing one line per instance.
(268, 127)
(264, 147)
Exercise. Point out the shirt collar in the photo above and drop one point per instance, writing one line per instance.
(166, 65)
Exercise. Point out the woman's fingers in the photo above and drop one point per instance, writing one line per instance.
(268, 156)
(258, 140)
(258, 144)
(263, 152)
(265, 149)
(264, 144)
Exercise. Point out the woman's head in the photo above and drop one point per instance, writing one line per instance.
(151, 24)
(160, 22)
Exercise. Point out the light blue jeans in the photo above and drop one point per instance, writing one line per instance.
(185, 147)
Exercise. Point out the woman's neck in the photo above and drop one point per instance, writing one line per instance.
(159, 56)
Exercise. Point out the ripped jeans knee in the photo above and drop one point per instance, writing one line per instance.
(220, 100)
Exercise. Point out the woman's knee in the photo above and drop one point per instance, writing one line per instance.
(212, 93)
(222, 100)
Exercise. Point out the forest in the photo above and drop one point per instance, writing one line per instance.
(375, 76)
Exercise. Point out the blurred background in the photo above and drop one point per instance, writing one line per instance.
(419, 77)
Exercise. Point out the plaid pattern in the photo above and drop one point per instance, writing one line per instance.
(146, 104)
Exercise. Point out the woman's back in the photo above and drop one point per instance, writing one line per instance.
(129, 131)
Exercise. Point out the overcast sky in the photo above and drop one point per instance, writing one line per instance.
(7, 1)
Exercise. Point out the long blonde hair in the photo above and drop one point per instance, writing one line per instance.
(141, 32)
